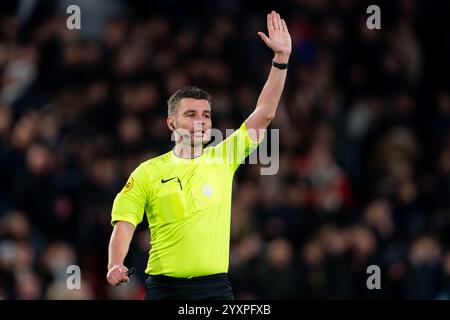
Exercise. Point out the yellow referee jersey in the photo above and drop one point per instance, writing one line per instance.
(188, 207)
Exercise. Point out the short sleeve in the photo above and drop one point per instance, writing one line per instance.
(234, 149)
(129, 204)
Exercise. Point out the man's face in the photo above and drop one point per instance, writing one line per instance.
(192, 121)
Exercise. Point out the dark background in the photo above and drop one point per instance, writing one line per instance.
(364, 141)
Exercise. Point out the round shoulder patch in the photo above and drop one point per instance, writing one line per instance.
(128, 185)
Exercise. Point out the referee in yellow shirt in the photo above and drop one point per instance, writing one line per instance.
(186, 193)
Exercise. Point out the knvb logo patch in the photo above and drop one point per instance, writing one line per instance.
(128, 185)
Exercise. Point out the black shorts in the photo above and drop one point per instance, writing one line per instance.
(212, 287)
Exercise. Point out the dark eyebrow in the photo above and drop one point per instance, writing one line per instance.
(191, 110)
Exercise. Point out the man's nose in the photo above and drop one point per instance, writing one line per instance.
(198, 124)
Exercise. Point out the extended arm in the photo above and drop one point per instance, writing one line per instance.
(117, 251)
(279, 41)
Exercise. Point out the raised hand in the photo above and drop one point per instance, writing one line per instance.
(279, 39)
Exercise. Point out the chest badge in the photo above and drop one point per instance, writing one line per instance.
(207, 190)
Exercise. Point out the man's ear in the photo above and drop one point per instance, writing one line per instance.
(170, 123)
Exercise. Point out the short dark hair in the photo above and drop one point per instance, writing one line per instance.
(186, 92)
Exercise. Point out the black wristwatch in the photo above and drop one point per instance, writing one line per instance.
(281, 66)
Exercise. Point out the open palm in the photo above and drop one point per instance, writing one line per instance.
(279, 39)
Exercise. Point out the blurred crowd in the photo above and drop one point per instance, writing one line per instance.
(364, 123)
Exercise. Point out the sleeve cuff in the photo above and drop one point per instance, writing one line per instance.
(124, 217)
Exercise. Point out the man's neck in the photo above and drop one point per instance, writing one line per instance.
(187, 152)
